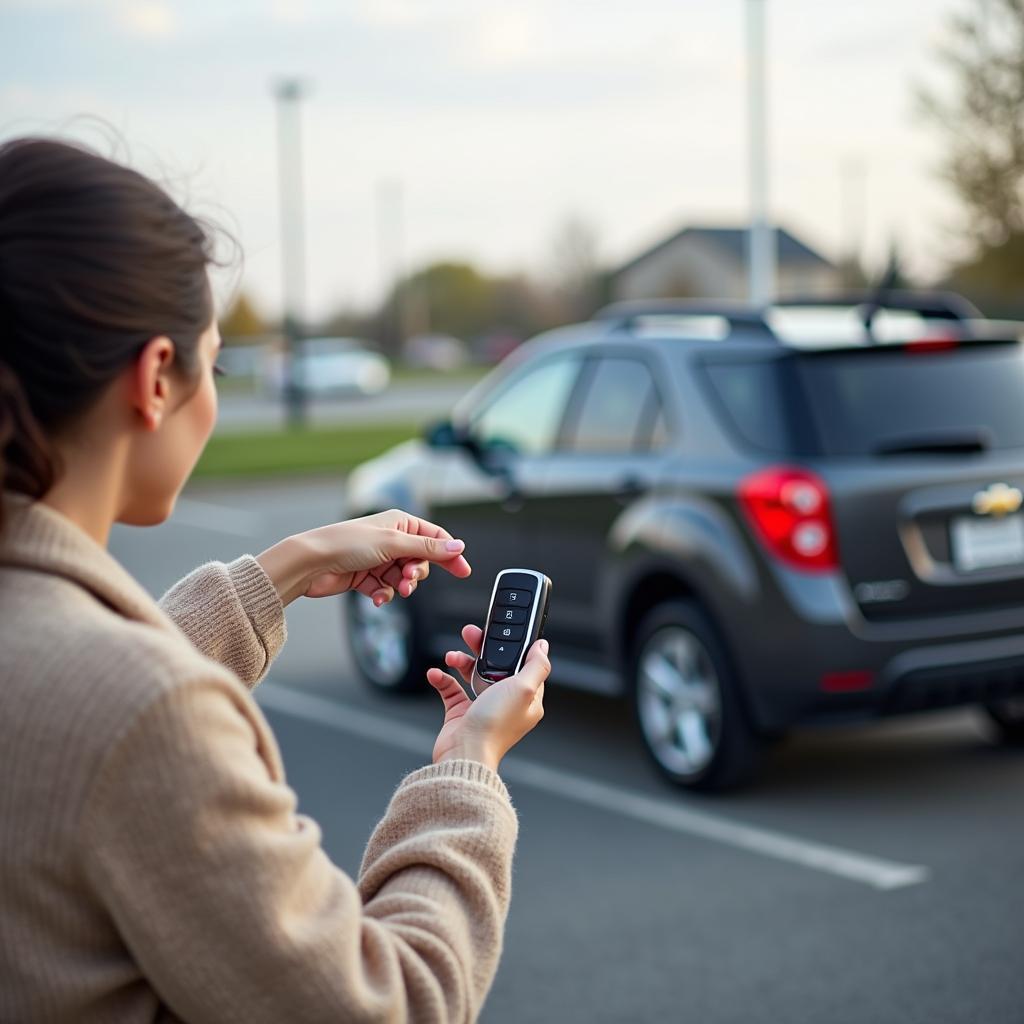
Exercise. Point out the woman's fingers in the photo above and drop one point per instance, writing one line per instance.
(462, 663)
(396, 578)
(416, 571)
(474, 638)
(370, 586)
(452, 693)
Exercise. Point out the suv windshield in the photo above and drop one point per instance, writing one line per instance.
(876, 401)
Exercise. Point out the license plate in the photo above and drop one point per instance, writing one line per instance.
(987, 543)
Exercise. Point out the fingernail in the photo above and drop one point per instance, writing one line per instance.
(544, 646)
(454, 545)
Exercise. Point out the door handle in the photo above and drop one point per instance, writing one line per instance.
(510, 497)
(629, 487)
(512, 501)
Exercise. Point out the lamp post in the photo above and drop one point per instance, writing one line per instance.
(761, 248)
(853, 172)
(289, 92)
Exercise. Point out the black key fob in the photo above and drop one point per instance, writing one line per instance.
(515, 621)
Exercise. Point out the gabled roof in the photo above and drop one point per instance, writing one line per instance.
(732, 242)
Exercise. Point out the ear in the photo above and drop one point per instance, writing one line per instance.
(148, 381)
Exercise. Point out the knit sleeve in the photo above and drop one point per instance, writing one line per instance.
(231, 613)
(234, 913)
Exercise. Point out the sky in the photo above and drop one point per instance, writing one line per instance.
(473, 129)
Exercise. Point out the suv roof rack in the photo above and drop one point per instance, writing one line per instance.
(939, 305)
(959, 313)
(624, 315)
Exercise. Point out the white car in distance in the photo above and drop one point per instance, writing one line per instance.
(335, 366)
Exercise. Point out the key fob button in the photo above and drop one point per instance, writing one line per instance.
(500, 655)
(501, 631)
(514, 598)
(507, 616)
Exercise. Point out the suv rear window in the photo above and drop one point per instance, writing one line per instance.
(870, 402)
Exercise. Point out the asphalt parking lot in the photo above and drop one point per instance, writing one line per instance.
(871, 875)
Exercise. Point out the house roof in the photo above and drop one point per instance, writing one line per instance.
(733, 243)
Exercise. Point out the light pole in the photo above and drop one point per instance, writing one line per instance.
(854, 214)
(761, 248)
(391, 246)
(288, 93)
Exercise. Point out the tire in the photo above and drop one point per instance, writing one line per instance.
(686, 701)
(385, 644)
(1008, 718)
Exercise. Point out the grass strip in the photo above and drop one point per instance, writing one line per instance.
(268, 453)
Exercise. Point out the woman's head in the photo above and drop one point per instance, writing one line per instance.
(105, 305)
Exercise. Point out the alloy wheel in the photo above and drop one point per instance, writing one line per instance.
(381, 641)
(679, 700)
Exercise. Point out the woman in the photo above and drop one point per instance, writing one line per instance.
(152, 864)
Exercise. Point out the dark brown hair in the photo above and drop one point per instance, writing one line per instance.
(95, 260)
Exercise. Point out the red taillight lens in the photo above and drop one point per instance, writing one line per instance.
(789, 510)
(939, 341)
(930, 345)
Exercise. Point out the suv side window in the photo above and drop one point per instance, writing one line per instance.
(620, 410)
(526, 414)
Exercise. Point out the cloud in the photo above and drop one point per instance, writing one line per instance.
(151, 19)
(290, 12)
(508, 38)
(405, 13)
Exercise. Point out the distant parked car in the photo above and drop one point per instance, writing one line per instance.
(334, 366)
(435, 352)
(753, 519)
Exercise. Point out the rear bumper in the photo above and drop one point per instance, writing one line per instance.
(986, 674)
(815, 630)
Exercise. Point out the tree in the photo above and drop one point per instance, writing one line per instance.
(984, 118)
(983, 121)
(994, 278)
(242, 320)
(577, 269)
(852, 273)
(447, 298)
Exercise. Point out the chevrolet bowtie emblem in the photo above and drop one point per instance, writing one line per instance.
(998, 500)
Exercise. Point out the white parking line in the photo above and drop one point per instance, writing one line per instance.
(205, 515)
(664, 814)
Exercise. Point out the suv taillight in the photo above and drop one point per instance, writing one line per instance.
(789, 509)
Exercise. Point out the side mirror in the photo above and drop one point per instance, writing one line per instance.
(444, 435)
(494, 458)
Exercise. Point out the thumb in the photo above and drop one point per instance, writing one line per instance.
(432, 549)
(537, 667)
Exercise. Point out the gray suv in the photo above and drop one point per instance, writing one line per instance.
(753, 518)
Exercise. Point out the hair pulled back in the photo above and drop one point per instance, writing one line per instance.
(95, 260)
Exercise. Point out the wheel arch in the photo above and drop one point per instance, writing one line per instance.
(651, 583)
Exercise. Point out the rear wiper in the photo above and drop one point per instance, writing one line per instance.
(963, 442)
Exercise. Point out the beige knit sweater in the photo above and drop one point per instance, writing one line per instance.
(152, 863)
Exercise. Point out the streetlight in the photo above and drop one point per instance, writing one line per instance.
(391, 247)
(853, 171)
(289, 92)
(762, 245)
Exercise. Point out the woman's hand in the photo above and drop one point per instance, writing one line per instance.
(378, 555)
(485, 729)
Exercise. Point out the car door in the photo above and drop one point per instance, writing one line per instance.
(484, 487)
(610, 452)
